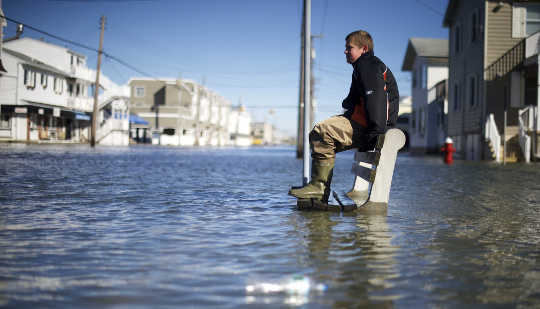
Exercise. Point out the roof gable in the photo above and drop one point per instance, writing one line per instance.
(424, 47)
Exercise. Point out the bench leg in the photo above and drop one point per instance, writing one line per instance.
(393, 141)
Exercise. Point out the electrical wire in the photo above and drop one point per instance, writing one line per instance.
(430, 8)
(80, 45)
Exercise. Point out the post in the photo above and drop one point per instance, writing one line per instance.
(307, 99)
(300, 132)
(96, 87)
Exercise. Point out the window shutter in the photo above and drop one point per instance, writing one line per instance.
(519, 15)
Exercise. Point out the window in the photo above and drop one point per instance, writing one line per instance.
(5, 121)
(29, 78)
(422, 121)
(139, 91)
(474, 26)
(70, 89)
(77, 89)
(58, 85)
(533, 18)
(424, 76)
(414, 78)
(472, 90)
(457, 38)
(44, 78)
(456, 97)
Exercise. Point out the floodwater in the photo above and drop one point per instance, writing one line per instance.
(147, 227)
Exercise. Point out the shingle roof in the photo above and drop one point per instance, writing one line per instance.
(424, 47)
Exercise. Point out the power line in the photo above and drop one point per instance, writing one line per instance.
(430, 8)
(80, 45)
(50, 34)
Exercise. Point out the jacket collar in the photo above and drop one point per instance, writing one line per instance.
(365, 55)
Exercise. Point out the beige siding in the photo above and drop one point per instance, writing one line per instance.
(499, 32)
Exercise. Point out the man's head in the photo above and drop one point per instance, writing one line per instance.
(356, 44)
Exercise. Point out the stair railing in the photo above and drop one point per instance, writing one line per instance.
(493, 136)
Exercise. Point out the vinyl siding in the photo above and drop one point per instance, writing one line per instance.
(499, 32)
(468, 61)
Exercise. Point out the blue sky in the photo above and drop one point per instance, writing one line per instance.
(242, 49)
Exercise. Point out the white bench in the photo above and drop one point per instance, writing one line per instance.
(373, 172)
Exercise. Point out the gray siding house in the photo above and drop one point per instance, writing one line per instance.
(179, 112)
(492, 82)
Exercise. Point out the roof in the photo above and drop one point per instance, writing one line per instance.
(424, 47)
(450, 9)
(34, 62)
(43, 42)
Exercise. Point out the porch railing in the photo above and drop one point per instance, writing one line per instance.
(493, 136)
(437, 91)
(510, 61)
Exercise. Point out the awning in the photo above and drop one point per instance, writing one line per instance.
(137, 120)
(81, 116)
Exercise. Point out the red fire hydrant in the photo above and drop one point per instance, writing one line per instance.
(448, 150)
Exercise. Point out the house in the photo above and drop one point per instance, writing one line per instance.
(427, 60)
(262, 133)
(181, 112)
(3, 23)
(240, 126)
(170, 106)
(40, 96)
(403, 120)
(113, 122)
(493, 78)
(46, 95)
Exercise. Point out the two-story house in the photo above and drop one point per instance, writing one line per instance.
(170, 108)
(493, 78)
(44, 93)
(47, 95)
(427, 60)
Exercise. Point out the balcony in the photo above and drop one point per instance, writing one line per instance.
(437, 92)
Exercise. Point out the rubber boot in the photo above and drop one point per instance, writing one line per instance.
(327, 190)
(321, 172)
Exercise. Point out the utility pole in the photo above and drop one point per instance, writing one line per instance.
(300, 132)
(312, 82)
(96, 87)
(307, 97)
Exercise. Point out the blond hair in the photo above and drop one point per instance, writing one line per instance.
(360, 38)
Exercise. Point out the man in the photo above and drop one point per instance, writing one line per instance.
(371, 108)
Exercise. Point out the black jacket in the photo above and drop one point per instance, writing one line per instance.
(370, 89)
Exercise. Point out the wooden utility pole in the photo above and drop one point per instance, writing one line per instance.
(96, 86)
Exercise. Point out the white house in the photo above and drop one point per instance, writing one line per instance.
(240, 126)
(3, 23)
(427, 60)
(47, 93)
(113, 122)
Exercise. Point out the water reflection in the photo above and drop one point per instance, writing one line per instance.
(354, 255)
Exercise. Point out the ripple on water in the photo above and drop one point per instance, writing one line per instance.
(149, 226)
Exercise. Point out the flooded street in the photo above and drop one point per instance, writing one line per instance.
(145, 227)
